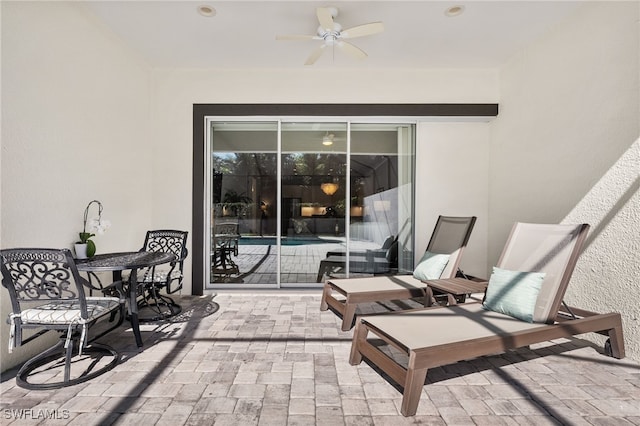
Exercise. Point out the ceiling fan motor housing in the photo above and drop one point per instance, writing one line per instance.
(330, 36)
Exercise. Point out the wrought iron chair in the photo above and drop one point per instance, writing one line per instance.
(225, 244)
(154, 279)
(47, 293)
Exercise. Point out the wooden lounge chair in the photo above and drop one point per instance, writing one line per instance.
(378, 252)
(432, 337)
(450, 236)
(382, 261)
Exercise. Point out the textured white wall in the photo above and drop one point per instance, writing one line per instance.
(177, 90)
(452, 174)
(562, 149)
(606, 277)
(75, 128)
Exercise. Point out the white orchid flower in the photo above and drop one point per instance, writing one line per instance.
(99, 225)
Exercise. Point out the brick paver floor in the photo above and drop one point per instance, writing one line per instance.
(257, 263)
(273, 358)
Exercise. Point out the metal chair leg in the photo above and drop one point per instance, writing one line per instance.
(25, 375)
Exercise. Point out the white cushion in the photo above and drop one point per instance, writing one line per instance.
(68, 311)
(159, 276)
(431, 266)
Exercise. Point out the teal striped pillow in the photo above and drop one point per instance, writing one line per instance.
(513, 293)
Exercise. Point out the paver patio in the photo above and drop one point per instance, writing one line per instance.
(273, 358)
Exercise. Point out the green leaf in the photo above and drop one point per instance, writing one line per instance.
(84, 236)
(91, 248)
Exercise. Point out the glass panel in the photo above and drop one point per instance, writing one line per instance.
(313, 197)
(381, 202)
(406, 197)
(310, 202)
(243, 202)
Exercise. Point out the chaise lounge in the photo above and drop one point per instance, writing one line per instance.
(449, 238)
(522, 306)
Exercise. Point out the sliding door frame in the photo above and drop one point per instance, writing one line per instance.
(202, 111)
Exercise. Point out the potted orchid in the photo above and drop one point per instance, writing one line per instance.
(86, 247)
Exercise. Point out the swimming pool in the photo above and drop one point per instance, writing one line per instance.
(286, 241)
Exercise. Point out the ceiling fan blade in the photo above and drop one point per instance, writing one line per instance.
(296, 37)
(315, 55)
(325, 18)
(363, 30)
(354, 51)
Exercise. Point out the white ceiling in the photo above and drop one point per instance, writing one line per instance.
(242, 34)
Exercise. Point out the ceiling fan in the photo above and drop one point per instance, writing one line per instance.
(332, 35)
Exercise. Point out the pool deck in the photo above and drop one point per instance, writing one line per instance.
(299, 263)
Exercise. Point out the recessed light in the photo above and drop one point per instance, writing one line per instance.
(454, 11)
(206, 10)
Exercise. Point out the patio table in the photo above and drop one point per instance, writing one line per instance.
(456, 289)
(118, 262)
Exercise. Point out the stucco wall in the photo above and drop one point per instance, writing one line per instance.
(83, 113)
(177, 90)
(75, 115)
(564, 148)
(452, 175)
(606, 277)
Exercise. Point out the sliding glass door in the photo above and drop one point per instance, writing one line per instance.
(314, 158)
(292, 202)
(243, 203)
(381, 198)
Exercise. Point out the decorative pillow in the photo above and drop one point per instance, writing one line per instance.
(392, 254)
(300, 226)
(430, 266)
(387, 243)
(513, 293)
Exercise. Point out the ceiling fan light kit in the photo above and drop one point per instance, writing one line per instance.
(327, 140)
(331, 34)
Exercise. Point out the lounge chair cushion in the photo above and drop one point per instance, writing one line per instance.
(513, 293)
(431, 266)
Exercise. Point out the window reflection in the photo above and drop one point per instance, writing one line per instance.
(328, 201)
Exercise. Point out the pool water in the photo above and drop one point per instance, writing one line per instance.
(286, 241)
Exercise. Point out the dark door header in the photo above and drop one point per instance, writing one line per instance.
(201, 111)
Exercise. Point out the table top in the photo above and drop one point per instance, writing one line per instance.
(458, 285)
(122, 261)
(225, 238)
(357, 259)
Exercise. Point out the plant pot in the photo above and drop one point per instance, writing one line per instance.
(81, 251)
